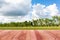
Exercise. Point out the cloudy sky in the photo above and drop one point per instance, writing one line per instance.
(22, 10)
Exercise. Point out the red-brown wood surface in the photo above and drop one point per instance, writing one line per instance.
(29, 34)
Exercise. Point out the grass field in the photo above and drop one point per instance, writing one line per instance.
(29, 28)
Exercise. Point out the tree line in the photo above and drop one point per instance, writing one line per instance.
(54, 21)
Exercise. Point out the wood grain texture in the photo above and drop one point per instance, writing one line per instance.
(29, 34)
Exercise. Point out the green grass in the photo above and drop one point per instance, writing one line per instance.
(29, 28)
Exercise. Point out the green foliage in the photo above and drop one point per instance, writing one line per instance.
(55, 21)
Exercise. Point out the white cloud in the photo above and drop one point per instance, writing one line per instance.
(16, 7)
(15, 10)
(7, 19)
(52, 9)
(14, 1)
(42, 11)
(20, 10)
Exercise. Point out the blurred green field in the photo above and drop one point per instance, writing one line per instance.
(29, 28)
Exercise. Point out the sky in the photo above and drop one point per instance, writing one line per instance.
(46, 2)
(26, 10)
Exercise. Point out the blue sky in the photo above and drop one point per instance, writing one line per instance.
(47, 2)
(22, 10)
